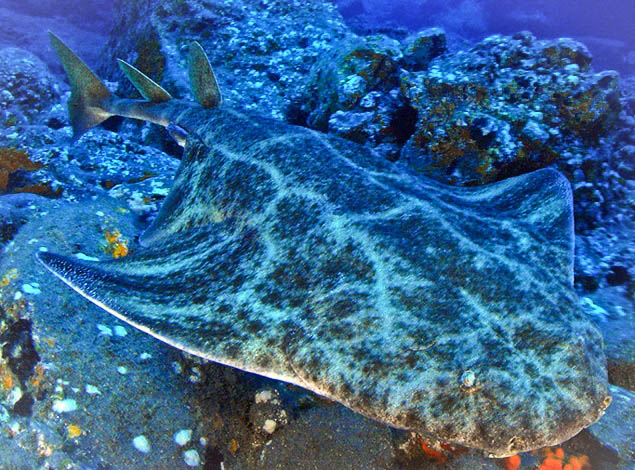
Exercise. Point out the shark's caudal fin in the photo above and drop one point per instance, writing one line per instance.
(91, 102)
(88, 93)
(148, 88)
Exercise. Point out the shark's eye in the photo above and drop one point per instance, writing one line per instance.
(177, 133)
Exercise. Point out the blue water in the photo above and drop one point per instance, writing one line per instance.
(606, 27)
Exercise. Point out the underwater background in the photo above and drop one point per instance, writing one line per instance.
(467, 93)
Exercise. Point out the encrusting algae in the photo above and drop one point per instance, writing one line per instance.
(74, 431)
(10, 275)
(13, 159)
(512, 462)
(116, 245)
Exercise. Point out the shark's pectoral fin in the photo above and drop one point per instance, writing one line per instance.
(171, 291)
(187, 205)
(543, 203)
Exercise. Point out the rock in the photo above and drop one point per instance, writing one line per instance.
(419, 49)
(507, 80)
(261, 51)
(626, 162)
(350, 125)
(14, 212)
(616, 429)
(341, 79)
(563, 51)
(267, 413)
(507, 106)
(18, 349)
(355, 442)
(352, 93)
(26, 87)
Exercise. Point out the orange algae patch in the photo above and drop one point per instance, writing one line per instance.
(7, 381)
(36, 380)
(433, 454)
(74, 431)
(13, 159)
(578, 463)
(512, 462)
(551, 463)
(116, 245)
(556, 460)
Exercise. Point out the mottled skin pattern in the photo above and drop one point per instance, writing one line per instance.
(295, 255)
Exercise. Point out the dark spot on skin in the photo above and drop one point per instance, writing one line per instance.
(245, 189)
(531, 370)
(341, 309)
(448, 429)
(409, 419)
(224, 308)
(417, 396)
(295, 217)
(293, 335)
(272, 298)
(365, 399)
(232, 349)
(350, 262)
(199, 298)
(527, 337)
(238, 281)
(359, 353)
(345, 388)
(263, 361)
(255, 326)
(290, 276)
(341, 332)
(242, 314)
(411, 359)
(216, 328)
(313, 363)
(446, 402)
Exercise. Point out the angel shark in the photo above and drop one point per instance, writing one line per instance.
(307, 258)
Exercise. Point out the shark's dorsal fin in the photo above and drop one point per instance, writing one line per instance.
(202, 78)
(148, 88)
(88, 92)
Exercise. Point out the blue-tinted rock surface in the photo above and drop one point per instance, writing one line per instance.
(27, 89)
(260, 51)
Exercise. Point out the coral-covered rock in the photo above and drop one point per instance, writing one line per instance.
(422, 47)
(353, 92)
(342, 79)
(261, 50)
(14, 212)
(26, 87)
(507, 106)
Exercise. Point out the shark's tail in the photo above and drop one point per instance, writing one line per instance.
(89, 96)
(91, 102)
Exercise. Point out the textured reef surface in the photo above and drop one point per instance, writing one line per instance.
(79, 389)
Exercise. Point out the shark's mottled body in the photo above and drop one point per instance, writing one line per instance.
(306, 258)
